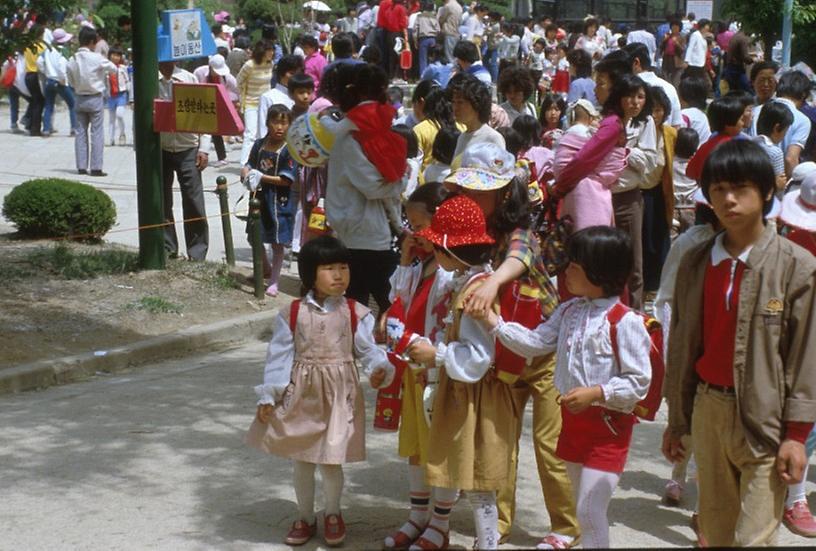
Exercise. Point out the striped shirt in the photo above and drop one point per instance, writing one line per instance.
(253, 81)
(579, 333)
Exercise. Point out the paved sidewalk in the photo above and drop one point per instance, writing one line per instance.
(23, 157)
(153, 459)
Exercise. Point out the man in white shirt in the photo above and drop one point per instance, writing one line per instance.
(642, 67)
(696, 50)
(183, 154)
(642, 36)
(87, 75)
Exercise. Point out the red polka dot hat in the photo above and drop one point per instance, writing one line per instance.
(458, 221)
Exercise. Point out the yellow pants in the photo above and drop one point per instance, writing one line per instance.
(537, 381)
(742, 497)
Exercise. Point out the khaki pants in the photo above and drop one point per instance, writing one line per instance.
(537, 381)
(741, 496)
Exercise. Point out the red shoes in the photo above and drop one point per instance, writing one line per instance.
(799, 520)
(428, 545)
(401, 540)
(334, 530)
(300, 533)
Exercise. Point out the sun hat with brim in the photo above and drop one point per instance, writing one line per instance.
(484, 167)
(456, 222)
(60, 36)
(799, 206)
(219, 65)
(776, 206)
(801, 171)
(221, 16)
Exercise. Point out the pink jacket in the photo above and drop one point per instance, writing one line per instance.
(590, 202)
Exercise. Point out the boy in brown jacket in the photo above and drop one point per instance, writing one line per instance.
(741, 376)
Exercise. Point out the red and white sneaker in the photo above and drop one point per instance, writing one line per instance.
(334, 530)
(300, 533)
(799, 519)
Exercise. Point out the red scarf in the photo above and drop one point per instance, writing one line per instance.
(386, 149)
(114, 83)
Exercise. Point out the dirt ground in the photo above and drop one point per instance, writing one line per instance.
(43, 315)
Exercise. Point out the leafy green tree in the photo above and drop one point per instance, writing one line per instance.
(764, 18)
(13, 37)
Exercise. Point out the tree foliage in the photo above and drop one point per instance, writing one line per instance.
(764, 18)
(13, 35)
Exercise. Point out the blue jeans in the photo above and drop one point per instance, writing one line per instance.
(491, 61)
(14, 108)
(424, 43)
(52, 88)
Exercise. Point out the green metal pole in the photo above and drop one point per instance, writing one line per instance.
(257, 246)
(148, 147)
(223, 198)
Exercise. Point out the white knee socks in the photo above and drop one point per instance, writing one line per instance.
(305, 490)
(332, 487)
(593, 490)
(486, 518)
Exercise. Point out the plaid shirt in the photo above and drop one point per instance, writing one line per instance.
(524, 247)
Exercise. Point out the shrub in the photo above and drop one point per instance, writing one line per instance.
(52, 207)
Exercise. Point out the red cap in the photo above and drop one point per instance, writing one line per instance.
(458, 221)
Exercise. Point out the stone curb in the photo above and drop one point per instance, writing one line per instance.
(189, 341)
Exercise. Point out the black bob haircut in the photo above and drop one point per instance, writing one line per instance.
(318, 252)
(582, 62)
(474, 91)
(660, 98)
(343, 45)
(355, 84)
(466, 51)
(694, 91)
(430, 195)
(514, 142)
(737, 162)
(725, 111)
(605, 253)
(444, 145)
(300, 81)
(472, 255)
(614, 64)
(687, 143)
(530, 130)
(773, 113)
(795, 85)
(288, 64)
(410, 139)
(278, 111)
(626, 85)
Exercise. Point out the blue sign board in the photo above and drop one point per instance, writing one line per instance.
(184, 34)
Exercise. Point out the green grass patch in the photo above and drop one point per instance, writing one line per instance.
(70, 264)
(155, 305)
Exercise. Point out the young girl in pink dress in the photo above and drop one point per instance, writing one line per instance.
(310, 406)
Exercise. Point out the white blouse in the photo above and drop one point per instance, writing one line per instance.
(469, 358)
(280, 354)
(579, 331)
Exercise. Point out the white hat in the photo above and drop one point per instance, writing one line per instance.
(60, 36)
(801, 171)
(776, 206)
(484, 167)
(219, 65)
(799, 206)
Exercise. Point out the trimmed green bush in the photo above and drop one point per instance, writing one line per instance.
(53, 207)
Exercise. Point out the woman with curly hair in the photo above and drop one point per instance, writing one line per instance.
(516, 84)
(471, 107)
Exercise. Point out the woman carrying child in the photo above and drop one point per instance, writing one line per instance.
(310, 406)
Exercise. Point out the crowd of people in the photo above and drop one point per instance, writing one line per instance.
(601, 170)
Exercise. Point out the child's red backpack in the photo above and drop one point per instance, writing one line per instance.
(518, 302)
(646, 408)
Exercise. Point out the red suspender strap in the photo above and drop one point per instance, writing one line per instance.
(614, 316)
(293, 314)
(353, 314)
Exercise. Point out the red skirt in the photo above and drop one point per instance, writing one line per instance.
(597, 438)
(561, 82)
